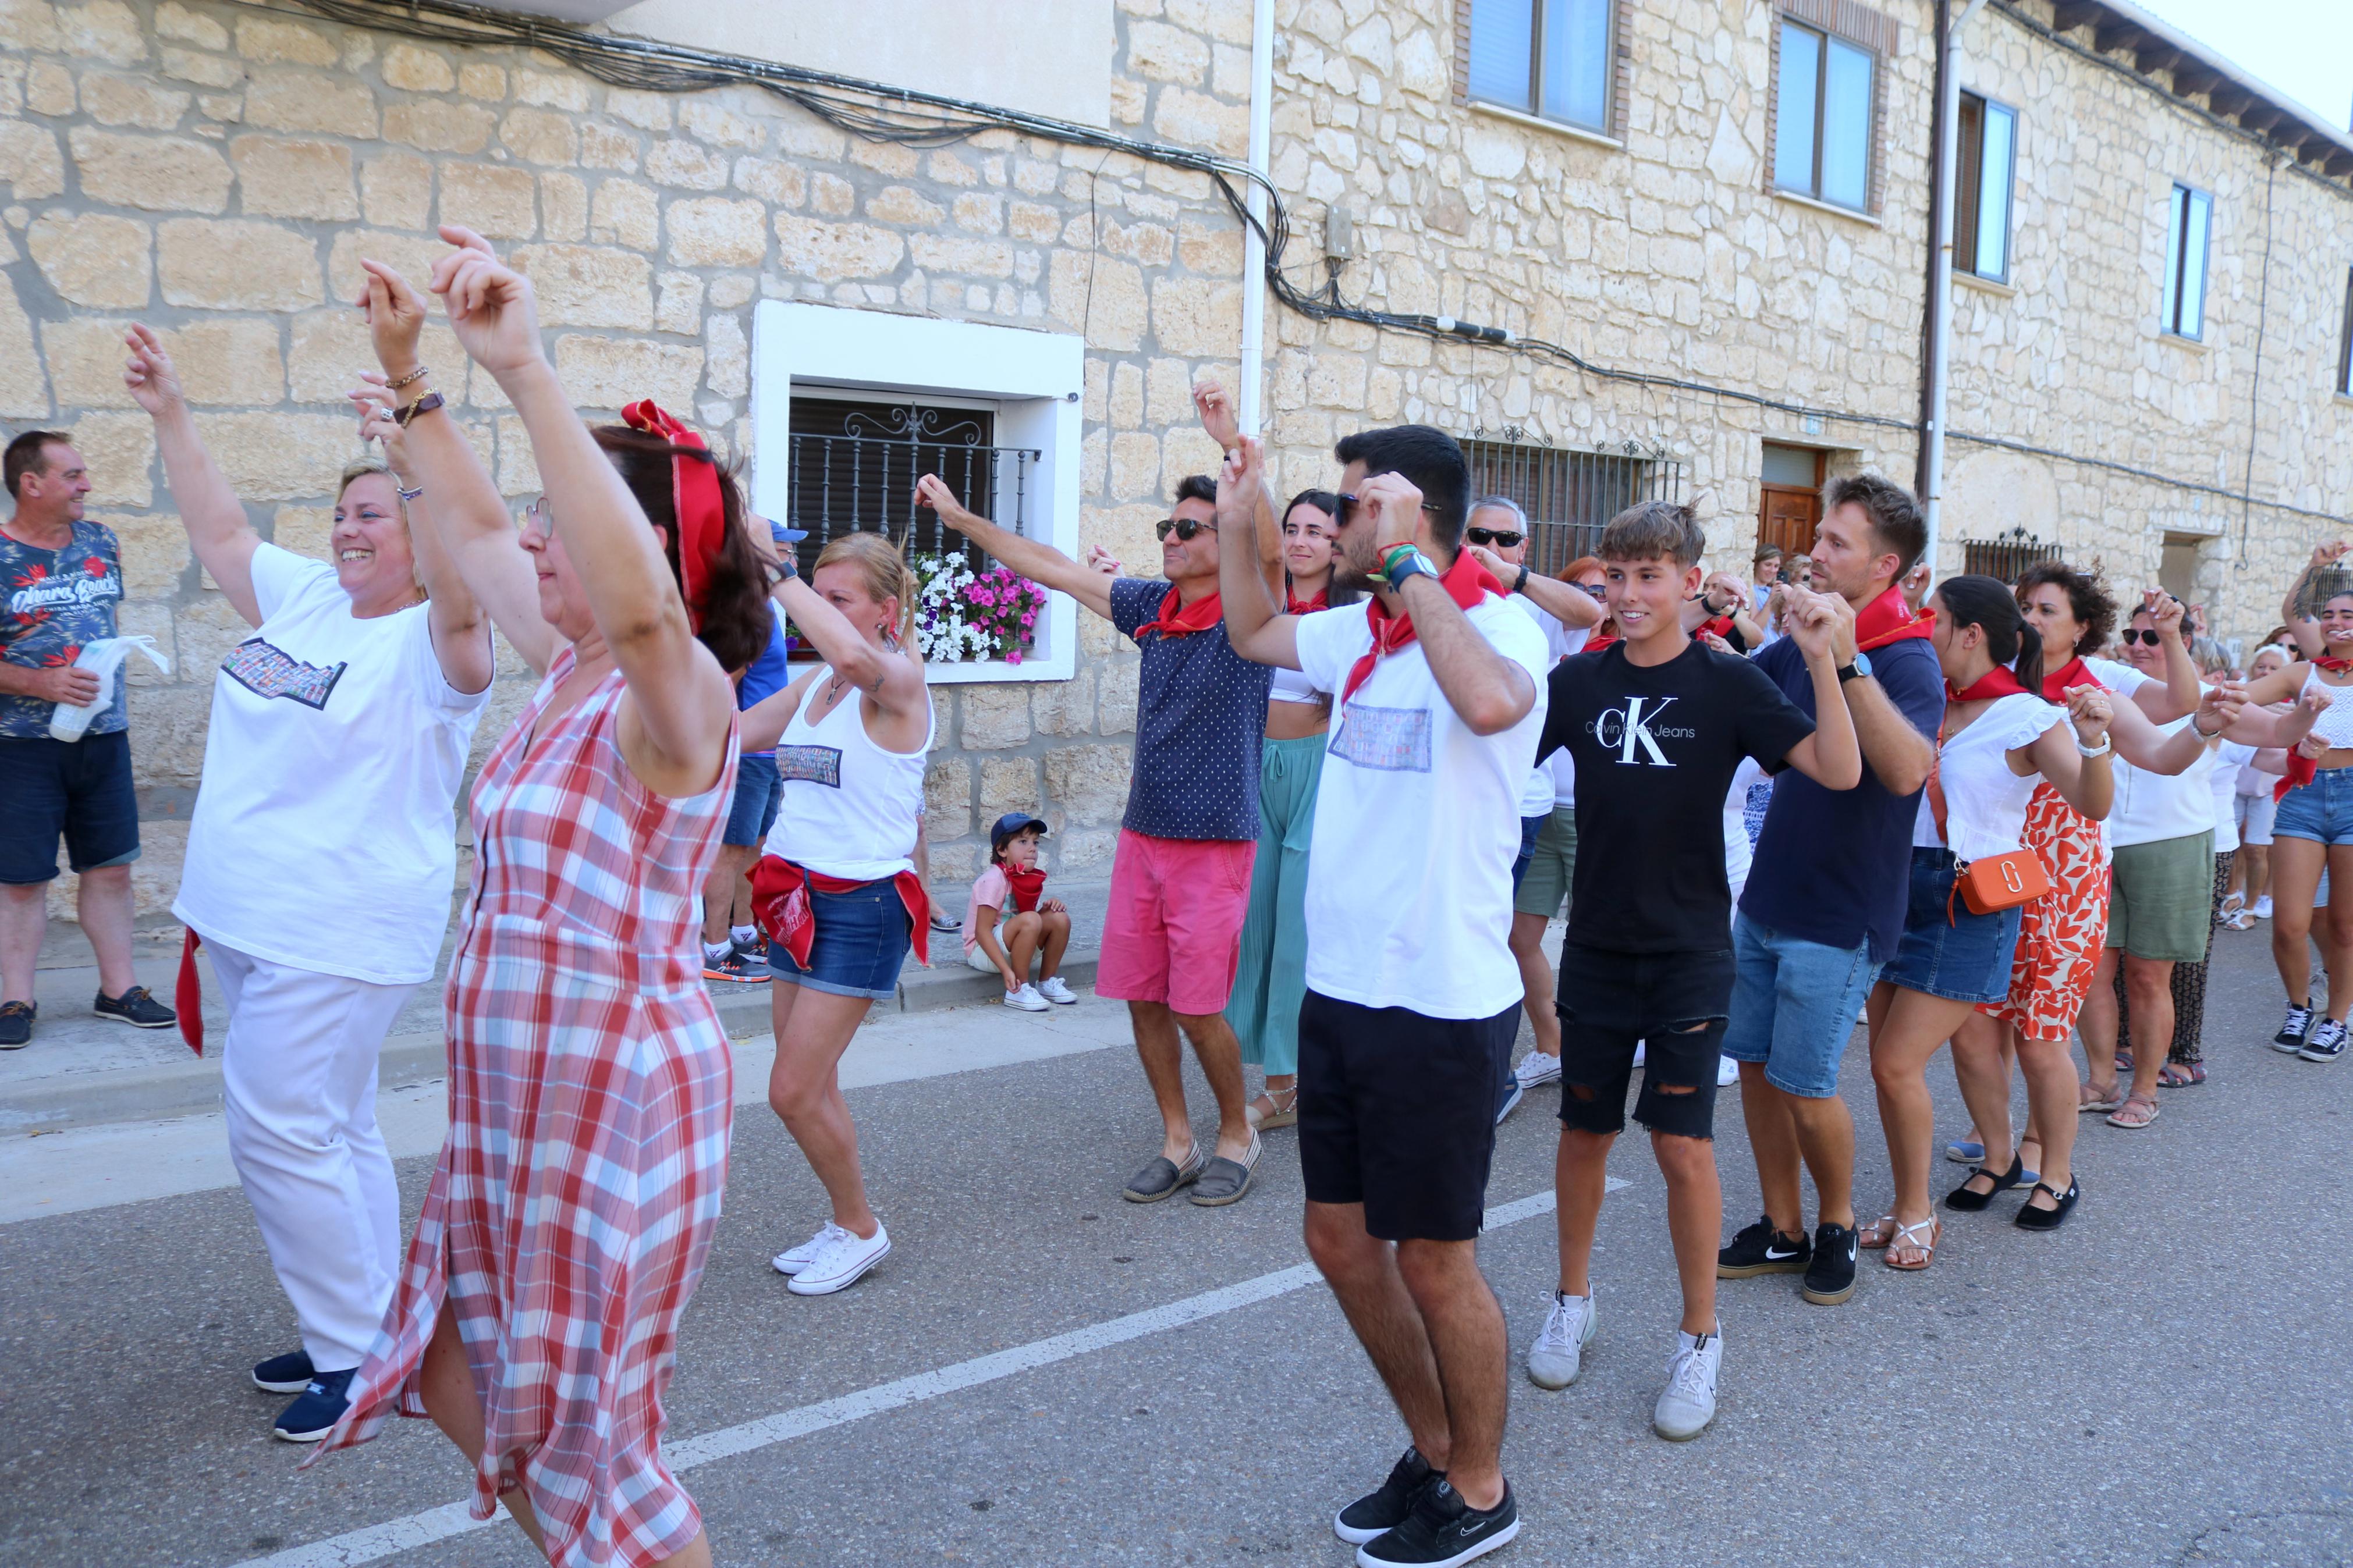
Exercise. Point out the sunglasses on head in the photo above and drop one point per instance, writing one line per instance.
(1503, 538)
(2132, 636)
(1184, 527)
(1599, 590)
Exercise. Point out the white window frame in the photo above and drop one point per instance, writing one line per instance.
(1031, 379)
(2180, 202)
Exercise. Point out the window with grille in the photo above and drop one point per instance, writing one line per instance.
(1545, 57)
(1569, 496)
(2005, 556)
(1981, 193)
(854, 466)
(2183, 314)
(1822, 117)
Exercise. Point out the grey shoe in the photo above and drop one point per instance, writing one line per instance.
(1688, 1403)
(1224, 1181)
(1558, 1355)
(1161, 1178)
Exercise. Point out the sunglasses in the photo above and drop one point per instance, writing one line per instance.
(1599, 590)
(1347, 512)
(1184, 527)
(1503, 538)
(2131, 637)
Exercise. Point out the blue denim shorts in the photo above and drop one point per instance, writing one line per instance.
(76, 790)
(2321, 811)
(1793, 1005)
(861, 940)
(1946, 951)
(1529, 827)
(758, 792)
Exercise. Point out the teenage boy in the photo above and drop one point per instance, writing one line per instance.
(1824, 904)
(1659, 724)
(1412, 1002)
(1180, 875)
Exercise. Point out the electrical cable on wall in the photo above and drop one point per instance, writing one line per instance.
(878, 112)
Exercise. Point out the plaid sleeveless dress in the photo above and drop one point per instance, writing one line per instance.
(590, 1090)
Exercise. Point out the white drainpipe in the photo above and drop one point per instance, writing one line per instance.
(1940, 289)
(1261, 133)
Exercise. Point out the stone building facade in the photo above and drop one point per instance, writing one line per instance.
(216, 170)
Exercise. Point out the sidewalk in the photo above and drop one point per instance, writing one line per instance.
(81, 1070)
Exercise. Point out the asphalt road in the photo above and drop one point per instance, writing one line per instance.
(2165, 1380)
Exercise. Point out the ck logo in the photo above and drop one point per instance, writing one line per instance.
(1638, 725)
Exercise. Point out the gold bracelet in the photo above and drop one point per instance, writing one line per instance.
(404, 381)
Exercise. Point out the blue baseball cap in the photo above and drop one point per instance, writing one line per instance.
(782, 535)
(1011, 824)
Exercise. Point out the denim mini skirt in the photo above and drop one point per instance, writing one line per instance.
(1946, 951)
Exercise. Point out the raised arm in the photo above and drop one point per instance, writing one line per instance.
(896, 681)
(2182, 690)
(1218, 421)
(1566, 603)
(465, 517)
(1038, 562)
(680, 705)
(1487, 692)
(2269, 728)
(1831, 756)
(1897, 754)
(2300, 627)
(1252, 626)
(217, 531)
(763, 722)
(2084, 783)
(460, 628)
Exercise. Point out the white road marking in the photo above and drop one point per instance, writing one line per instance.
(378, 1541)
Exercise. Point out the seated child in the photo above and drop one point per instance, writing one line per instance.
(1007, 922)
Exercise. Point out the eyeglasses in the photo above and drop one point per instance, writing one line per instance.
(1184, 527)
(1347, 512)
(1501, 538)
(1599, 590)
(2132, 636)
(537, 516)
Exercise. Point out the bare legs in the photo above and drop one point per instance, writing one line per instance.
(1695, 1213)
(1980, 1064)
(1435, 1333)
(1788, 1129)
(726, 892)
(1026, 935)
(1906, 1027)
(1220, 1055)
(2296, 865)
(1536, 981)
(103, 905)
(813, 1028)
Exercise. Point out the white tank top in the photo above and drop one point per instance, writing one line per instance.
(2335, 725)
(849, 807)
(1290, 686)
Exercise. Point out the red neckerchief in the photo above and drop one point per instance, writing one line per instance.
(2066, 678)
(1996, 682)
(780, 902)
(188, 993)
(1721, 625)
(1024, 884)
(1466, 582)
(1176, 620)
(1595, 644)
(694, 497)
(1888, 619)
(2302, 770)
(1295, 606)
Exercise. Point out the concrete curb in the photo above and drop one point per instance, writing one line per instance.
(154, 1094)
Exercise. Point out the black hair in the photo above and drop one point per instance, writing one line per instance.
(1988, 603)
(1197, 487)
(1896, 524)
(736, 619)
(2087, 601)
(27, 455)
(1653, 530)
(1427, 458)
(1336, 593)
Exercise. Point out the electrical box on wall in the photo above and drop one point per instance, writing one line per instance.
(1339, 232)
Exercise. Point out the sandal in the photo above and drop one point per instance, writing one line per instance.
(2091, 1097)
(2182, 1075)
(2131, 1120)
(1281, 1110)
(2124, 1060)
(1906, 1238)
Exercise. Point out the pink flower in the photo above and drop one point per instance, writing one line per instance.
(1013, 658)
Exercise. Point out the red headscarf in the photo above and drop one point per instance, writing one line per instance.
(694, 495)
(1466, 582)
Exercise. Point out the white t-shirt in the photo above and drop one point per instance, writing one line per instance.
(1417, 824)
(324, 836)
(2228, 761)
(2121, 679)
(2150, 808)
(1985, 803)
(1738, 852)
(1552, 783)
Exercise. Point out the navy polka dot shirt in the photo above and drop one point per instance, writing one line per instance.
(1200, 714)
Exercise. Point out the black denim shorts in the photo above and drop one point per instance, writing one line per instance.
(1675, 1004)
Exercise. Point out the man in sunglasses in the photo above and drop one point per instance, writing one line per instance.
(1413, 999)
(1180, 876)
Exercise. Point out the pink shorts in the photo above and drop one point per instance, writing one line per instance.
(1175, 929)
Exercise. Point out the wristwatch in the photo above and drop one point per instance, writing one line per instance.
(408, 410)
(782, 570)
(1412, 563)
(1856, 670)
(1520, 583)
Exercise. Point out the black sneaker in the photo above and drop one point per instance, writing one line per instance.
(1374, 1515)
(2290, 1038)
(738, 967)
(2327, 1042)
(17, 1025)
(314, 1415)
(1442, 1531)
(287, 1373)
(136, 1008)
(1761, 1249)
(1830, 1277)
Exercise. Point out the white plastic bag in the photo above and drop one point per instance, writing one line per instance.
(102, 658)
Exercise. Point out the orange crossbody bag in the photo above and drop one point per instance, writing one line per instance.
(1996, 882)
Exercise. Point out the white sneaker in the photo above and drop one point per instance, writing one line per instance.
(1027, 999)
(2263, 910)
(1688, 1404)
(1727, 1072)
(841, 1262)
(801, 1256)
(1053, 990)
(1536, 1068)
(1555, 1360)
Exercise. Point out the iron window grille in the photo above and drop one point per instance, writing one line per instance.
(853, 467)
(1569, 496)
(2005, 556)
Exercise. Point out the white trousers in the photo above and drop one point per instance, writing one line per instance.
(298, 1081)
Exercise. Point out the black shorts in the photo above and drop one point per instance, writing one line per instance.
(1676, 1004)
(1397, 1111)
(76, 790)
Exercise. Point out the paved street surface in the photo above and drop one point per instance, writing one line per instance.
(1043, 1373)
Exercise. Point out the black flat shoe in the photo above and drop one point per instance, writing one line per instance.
(1969, 1202)
(2032, 1218)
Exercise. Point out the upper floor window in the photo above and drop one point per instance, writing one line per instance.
(2345, 343)
(2184, 312)
(1981, 192)
(1548, 58)
(1821, 117)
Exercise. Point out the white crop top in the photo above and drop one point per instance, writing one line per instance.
(1985, 803)
(1290, 685)
(2335, 725)
(849, 807)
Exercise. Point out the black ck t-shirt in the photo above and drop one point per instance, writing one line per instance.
(1656, 749)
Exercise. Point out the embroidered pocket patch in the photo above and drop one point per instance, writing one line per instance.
(268, 671)
(811, 764)
(1393, 740)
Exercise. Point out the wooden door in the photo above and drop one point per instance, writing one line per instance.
(1790, 503)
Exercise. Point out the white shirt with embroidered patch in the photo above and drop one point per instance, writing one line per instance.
(1417, 824)
(324, 836)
